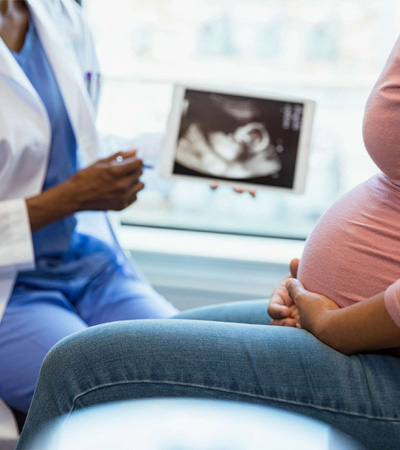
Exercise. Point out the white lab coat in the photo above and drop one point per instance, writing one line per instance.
(25, 133)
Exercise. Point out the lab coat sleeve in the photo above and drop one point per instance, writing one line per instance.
(16, 249)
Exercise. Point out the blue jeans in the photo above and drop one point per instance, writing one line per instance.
(244, 361)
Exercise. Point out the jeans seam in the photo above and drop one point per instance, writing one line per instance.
(366, 380)
(246, 394)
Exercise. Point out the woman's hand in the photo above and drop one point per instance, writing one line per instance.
(314, 309)
(281, 308)
(363, 326)
(109, 184)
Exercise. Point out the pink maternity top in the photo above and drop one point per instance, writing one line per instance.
(353, 252)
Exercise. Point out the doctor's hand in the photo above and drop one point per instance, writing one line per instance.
(282, 308)
(109, 184)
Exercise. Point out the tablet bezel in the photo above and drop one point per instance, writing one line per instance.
(174, 125)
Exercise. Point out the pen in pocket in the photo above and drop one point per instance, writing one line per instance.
(93, 85)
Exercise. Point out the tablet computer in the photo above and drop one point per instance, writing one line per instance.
(243, 139)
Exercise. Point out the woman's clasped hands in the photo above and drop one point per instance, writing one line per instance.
(292, 305)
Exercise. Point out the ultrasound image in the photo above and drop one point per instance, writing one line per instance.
(236, 138)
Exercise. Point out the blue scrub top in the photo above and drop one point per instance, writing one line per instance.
(60, 251)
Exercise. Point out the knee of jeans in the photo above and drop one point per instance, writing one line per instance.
(82, 349)
(61, 358)
(74, 355)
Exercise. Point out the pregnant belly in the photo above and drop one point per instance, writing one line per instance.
(353, 252)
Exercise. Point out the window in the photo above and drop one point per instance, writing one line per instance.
(330, 51)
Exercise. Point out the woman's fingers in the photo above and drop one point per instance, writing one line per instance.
(295, 289)
(294, 267)
(287, 322)
(278, 311)
(290, 317)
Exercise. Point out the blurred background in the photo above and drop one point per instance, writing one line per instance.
(330, 51)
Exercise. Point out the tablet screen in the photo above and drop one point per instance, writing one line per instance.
(238, 138)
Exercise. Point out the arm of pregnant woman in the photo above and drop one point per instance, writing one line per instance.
(364, 326)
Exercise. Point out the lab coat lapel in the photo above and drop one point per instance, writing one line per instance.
(10, 69)
(70, 79)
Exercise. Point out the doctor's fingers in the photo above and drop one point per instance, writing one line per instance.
(134, 192)
(121, 167)
(118, 201)
(122, 186)
(136, 188)
(117, 157)
(133, 178)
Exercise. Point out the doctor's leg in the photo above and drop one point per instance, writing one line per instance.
(121, 293)
(33, 322)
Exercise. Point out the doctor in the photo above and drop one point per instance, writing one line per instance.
(61, 269)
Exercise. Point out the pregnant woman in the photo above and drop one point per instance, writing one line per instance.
(340, 367)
